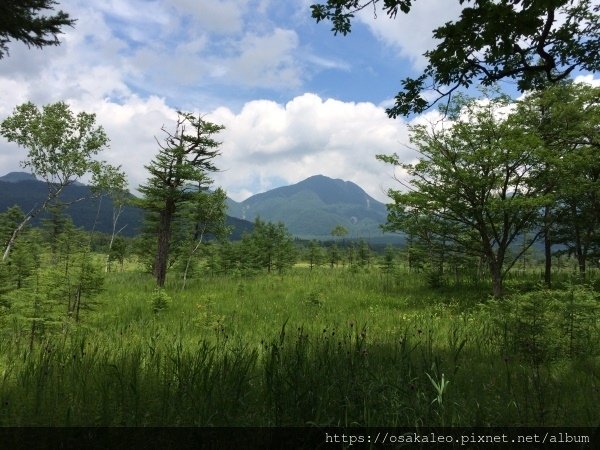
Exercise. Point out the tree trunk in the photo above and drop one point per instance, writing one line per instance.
(497, 288)
(579, 251)
(581, 262)
(116, 214)
(547, 248)
(191, 255)
(77, 304)
(164, 238)
(31, 215)
(495, 265)
(13, 237)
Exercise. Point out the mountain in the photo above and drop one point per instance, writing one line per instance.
(309, 209)
(313, 207)
(15, 177)
(24, 190)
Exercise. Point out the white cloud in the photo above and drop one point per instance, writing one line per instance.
(12, 93)
(267, 142)
(589, 79)
(412, 34)
(104, 69)
(218, 16)
(266, 60)
(131, 128)
(264, 144)
(134, 11)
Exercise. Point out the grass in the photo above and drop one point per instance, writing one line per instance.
(321, 347)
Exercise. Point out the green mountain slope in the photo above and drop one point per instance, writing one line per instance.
(313, 207)
(22, 189)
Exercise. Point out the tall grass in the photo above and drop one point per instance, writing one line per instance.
(321, 347)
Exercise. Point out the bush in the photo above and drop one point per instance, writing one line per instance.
(542, 326)
(160, 300)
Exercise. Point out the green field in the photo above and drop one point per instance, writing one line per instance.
(334, 347)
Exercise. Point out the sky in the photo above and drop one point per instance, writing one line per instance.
(295, 100)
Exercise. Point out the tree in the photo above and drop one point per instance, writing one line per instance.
(9, 219)
(54, 225)
(206, 215)
(21, 20)
(118, 251)
(333, 255)
(388, 264)
(112, 182)
(491, 41)
(176, 174)
(270, 246)
(426, 244)
(314, 254)
(26, 256)
(475, 175)
(60, 149)
(363, 254)
(566, 117)
(339, 231)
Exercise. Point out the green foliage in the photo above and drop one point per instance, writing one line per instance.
(389, 260)
(160, 300)
(25, 258)
(9, 220)
(544, 326)
(269, 246)
(314, 254)
(55, 224)
(339, 231)
(24, 21)
(333, 255)
(203, 218)
(61, 147)
(178, 175)
(491, 41)
(60, 144)
(363, 254)
(475, 185)
(26, 254)
(567, 117)
(118, 251)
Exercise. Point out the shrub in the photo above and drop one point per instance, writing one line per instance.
(160, 300)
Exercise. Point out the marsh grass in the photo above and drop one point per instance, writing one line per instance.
(321, 347)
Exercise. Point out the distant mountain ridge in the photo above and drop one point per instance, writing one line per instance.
(314, 206)
(24, 190)
(309, 209)
(16, 177)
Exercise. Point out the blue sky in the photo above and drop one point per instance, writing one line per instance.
(295, 99)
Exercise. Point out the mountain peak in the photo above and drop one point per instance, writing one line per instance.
(16, 177)
(314, 206)
(332, 190)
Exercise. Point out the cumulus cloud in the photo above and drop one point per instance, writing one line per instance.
(412, 34)
(267, 142)
(219, 16)
(265, 145)
(131, 71)
(266, 60)
(589, 79)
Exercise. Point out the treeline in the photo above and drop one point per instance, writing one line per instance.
(52, 275)
(496, 176)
